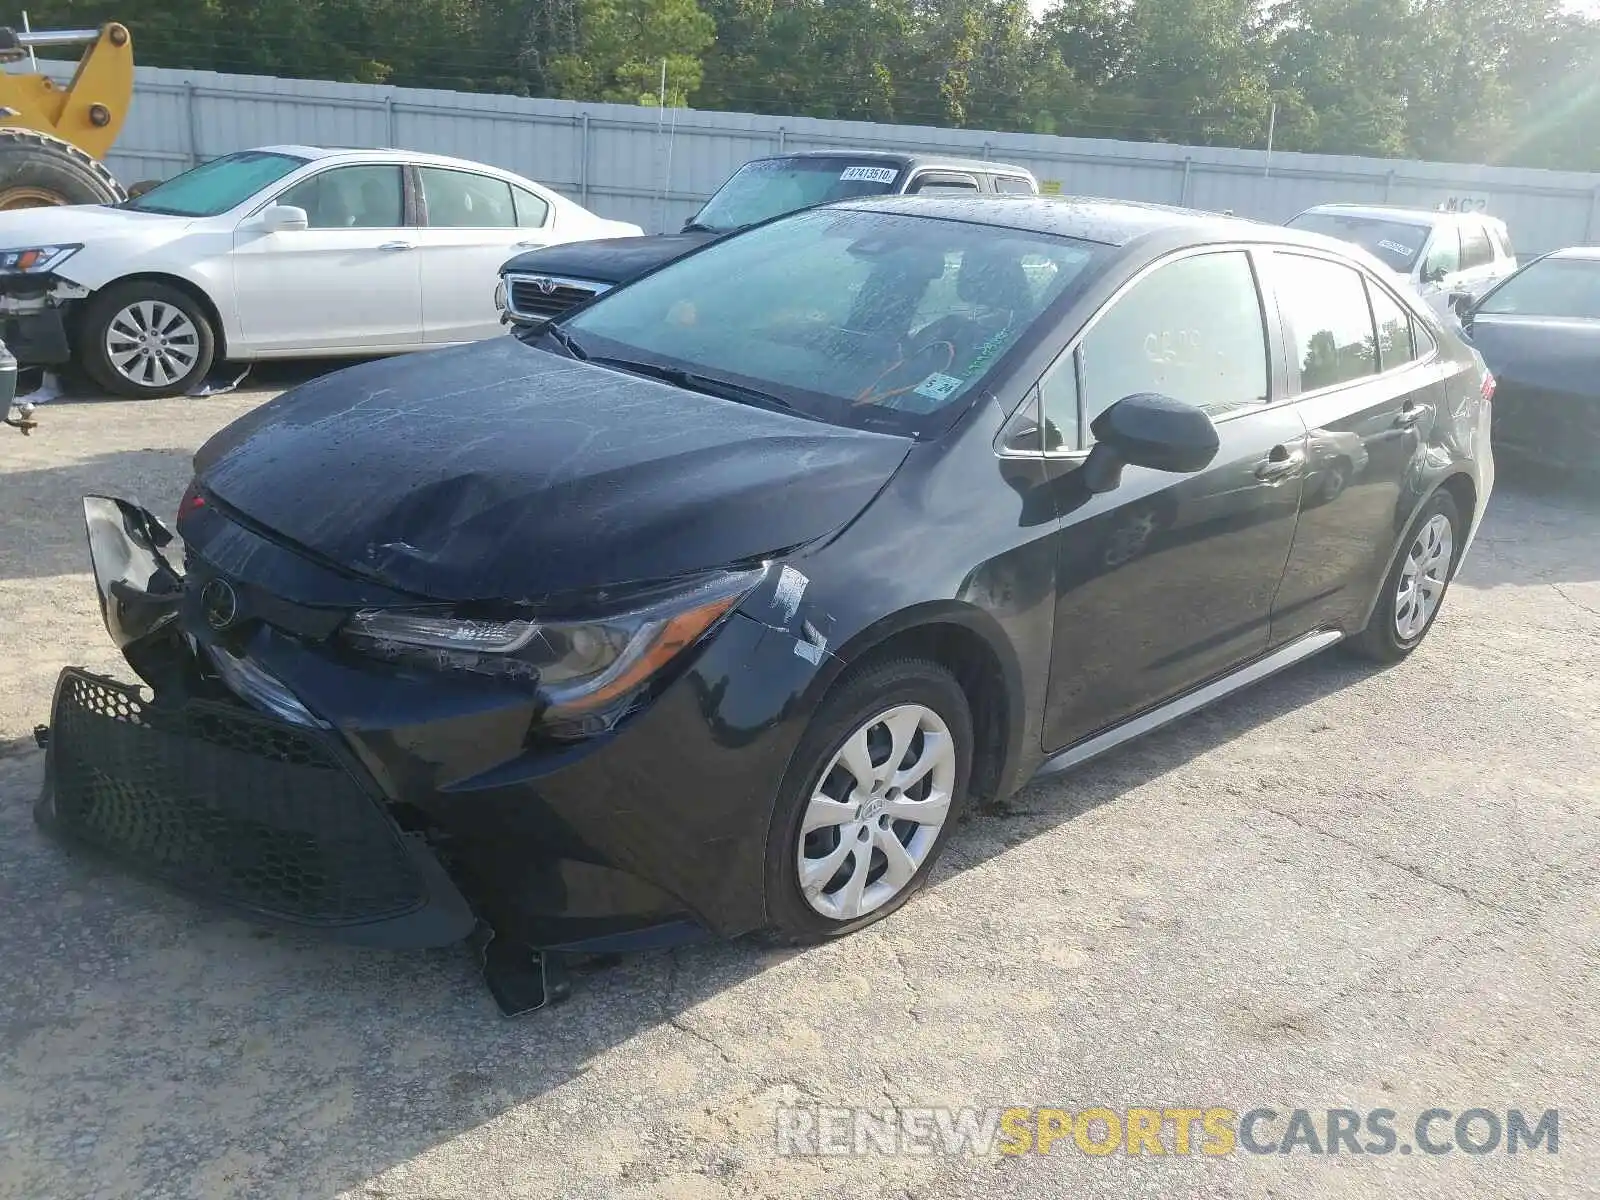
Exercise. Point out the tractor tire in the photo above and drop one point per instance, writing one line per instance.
(40, 171)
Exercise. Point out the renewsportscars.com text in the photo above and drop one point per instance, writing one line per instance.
(1212, 1131)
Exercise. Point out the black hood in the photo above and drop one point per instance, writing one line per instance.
(501, 471)
(609, 260)
(1540, 353)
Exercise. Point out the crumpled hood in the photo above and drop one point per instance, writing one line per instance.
(609, 260)
(500, 471)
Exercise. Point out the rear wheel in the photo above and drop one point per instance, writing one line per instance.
(40, 171)
(145, 339)
(869, 800)
(1414, 590)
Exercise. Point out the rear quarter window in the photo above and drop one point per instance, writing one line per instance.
(1014, 185)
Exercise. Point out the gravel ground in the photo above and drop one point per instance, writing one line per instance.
(1345, 888)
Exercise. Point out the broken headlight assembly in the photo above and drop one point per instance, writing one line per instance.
(586, 671)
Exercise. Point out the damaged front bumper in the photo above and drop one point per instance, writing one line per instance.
(33, 318)
(199, 791)
(270, 771)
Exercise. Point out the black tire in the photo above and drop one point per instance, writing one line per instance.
(871, 690)
(37, 170)
(1380, 641)
(103, 307)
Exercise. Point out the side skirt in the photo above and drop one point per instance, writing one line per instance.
(1285, 656)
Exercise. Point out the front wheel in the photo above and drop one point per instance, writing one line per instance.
(145, 339)
(869, 800)
(1416, 584)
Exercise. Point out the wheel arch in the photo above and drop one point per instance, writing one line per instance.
(1463, 491)
(195, 291)
(970, 644)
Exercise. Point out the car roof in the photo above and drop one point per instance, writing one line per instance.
(1588, 253)
(1092, 219)
(915, 161)
(384, 153)
(1398, 212)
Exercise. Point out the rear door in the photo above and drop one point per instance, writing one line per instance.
(1480, 262)
(1168, 580)
(472, 223)
(1368, 385)
(346, 283)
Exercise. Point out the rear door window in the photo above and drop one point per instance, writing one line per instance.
(1475, 248)
(1330, 330)
(464, 200)
(1395, 344)
(1013, 185)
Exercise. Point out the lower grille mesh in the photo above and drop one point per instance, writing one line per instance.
(227, 803)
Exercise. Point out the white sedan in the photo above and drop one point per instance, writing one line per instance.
(280, 252)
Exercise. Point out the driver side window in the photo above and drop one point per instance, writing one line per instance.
(1444, 253)
(1192, 330)
(365, 197)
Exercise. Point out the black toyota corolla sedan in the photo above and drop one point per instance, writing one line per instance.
(711, 606)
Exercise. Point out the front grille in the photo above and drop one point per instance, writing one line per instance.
(544, 297)
(218, 800)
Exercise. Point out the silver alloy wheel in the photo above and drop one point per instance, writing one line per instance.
(876, 812)
(1422, 578)
(152, 343)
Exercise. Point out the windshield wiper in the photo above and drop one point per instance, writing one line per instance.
(565, 340)
(705, 384)
(699, 227)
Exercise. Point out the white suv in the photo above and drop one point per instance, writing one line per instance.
(1439, 252)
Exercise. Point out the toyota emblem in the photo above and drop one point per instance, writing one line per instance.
(545, 286)
(220, 604)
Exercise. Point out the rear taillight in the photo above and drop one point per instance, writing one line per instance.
(1488, 385)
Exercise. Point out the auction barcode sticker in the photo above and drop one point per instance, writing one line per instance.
(870, 174)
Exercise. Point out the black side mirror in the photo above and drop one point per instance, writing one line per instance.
(1153, 431)
(1461, 302)
(1433, 274)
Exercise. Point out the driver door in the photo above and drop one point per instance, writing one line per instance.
(1166, 581)
(349, 283)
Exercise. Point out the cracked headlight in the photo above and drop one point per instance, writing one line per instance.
(580, 666)
(34, 259)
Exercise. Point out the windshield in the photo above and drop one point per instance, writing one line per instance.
(1551, 287)
(869, 319)
(1393, 243)
(770, 187)
(216, 186)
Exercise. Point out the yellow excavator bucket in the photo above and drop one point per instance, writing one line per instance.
(53, 136)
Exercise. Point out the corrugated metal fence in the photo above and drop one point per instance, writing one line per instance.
(654, 167)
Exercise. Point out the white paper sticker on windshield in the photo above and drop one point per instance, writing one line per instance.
(938, 387)
(1386, 244)
(870, 174)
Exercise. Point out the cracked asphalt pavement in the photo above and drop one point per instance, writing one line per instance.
(1344, 888)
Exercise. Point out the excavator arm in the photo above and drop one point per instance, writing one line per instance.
(53, 136)
(89, 110)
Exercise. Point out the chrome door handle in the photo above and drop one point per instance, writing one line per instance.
(1410, 414)
(527, 245)
(1280, 464)
(395, 246)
